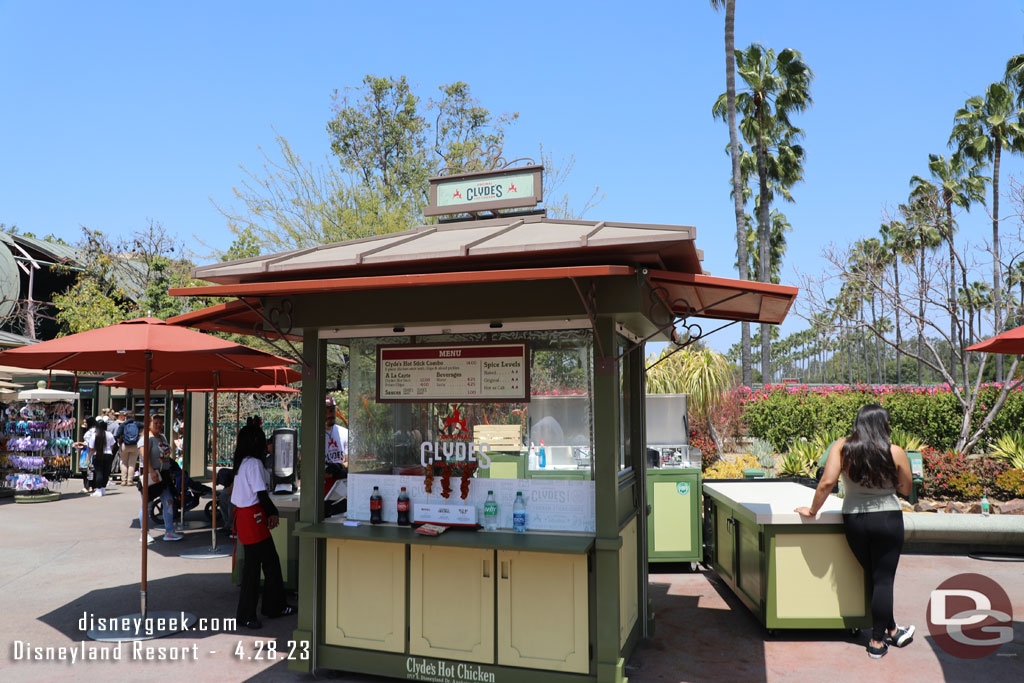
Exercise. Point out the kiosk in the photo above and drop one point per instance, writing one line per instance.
(447, 329)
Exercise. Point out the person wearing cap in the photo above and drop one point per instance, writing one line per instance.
(335, 461)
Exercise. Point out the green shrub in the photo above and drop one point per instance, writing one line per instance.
(1010, 448)
(966, 486)
(941, 472)
(905, 441)
(1009, 484)
(731, 470)
(988, 471)
(764, 452)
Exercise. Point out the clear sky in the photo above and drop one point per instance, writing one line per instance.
(116, 113)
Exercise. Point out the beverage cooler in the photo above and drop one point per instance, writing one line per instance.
(674, 529)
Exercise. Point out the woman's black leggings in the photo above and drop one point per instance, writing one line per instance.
(876, 539)
(261, 556)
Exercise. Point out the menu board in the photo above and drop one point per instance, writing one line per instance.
(453, 373)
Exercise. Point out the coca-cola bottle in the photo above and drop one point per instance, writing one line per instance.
(376, 506)
(403, 508)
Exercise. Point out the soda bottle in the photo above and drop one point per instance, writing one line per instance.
(984, 506)
(490, 512)
(376, 506)
(403, 508)
(542, 459)
(519, 513)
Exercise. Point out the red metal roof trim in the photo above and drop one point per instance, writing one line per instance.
(285, 288)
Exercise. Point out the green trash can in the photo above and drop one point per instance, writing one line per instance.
(917, 474)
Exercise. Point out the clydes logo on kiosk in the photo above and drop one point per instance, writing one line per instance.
(516, 187)
(442, 671)
(970, 616)
(454, 442)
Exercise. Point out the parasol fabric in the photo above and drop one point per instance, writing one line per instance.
(1009, 342)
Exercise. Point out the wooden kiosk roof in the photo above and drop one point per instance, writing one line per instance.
(506, 249)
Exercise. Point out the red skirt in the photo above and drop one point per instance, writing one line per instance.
(251, 524)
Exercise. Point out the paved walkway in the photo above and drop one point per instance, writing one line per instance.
(80, 555)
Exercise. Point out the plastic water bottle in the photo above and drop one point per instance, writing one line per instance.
(519, 513)
(490, 512)
(533, 460)
(542, 459)
(984, 506)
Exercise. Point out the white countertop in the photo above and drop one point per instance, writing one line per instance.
(773, 502)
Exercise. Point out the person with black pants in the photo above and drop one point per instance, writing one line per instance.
(255, 516)
(872, 470)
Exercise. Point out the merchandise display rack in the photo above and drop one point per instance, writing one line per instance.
(35, 449)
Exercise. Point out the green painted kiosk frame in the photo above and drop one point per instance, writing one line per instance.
(382, 599)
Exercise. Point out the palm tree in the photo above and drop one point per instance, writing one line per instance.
(961, 184)
(898, 244)
(982, 129)
(776, 86)
(977, 297)
(734, 154)
(922, 218)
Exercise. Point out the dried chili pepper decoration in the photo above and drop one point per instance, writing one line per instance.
(446, 481)
(467, 473)
(428, 478)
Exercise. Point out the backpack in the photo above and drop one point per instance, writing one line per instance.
(130, 433)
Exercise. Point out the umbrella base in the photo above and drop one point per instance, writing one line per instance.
(139, 628)
(206, 553)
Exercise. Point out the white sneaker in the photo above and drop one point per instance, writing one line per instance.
(98, 493)
(149, 539)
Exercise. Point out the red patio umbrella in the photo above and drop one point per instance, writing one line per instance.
(145, 345)
(1009, 342)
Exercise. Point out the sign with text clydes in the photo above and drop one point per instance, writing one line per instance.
(512, 188)
(453, 373)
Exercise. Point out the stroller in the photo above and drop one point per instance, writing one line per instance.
(193, 492)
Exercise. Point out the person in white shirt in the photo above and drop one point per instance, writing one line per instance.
(99, 443)
(335, 461)
(255, 516)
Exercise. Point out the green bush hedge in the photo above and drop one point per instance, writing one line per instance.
(782, 415)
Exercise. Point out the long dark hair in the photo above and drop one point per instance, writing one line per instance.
(100, 442)
(251, 442)
(866, 457)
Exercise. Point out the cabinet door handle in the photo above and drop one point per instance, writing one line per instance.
(504, 569)
(487, 569)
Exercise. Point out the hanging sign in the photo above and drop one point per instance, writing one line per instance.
(450, 373)
(518, 187)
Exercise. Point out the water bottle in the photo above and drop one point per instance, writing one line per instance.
(490, 512)
(533, 461)
(984, 506)
(519, 513)
(403, 508)
(376, 506)
(542, 459)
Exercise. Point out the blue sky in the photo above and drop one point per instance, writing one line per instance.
(117, 113)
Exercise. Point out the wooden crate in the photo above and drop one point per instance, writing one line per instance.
(499, 437)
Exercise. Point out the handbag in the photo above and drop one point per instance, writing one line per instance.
(83, 459)
(251, 524)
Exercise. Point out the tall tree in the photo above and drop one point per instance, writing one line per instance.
(737, 183)
(960, 184)
(982, 129)
(775, 86)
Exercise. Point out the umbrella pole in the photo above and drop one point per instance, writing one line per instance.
(213, 524)
(145, 489)
(184, 432)
(238, 411)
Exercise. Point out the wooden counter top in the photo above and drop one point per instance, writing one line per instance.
(773, 502)
(534, 541)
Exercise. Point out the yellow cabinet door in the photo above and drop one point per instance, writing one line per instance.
(451, 603)
(543, 614)
(673, 524)
(365, 595)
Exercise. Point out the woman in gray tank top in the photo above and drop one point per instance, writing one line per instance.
(873, 470)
